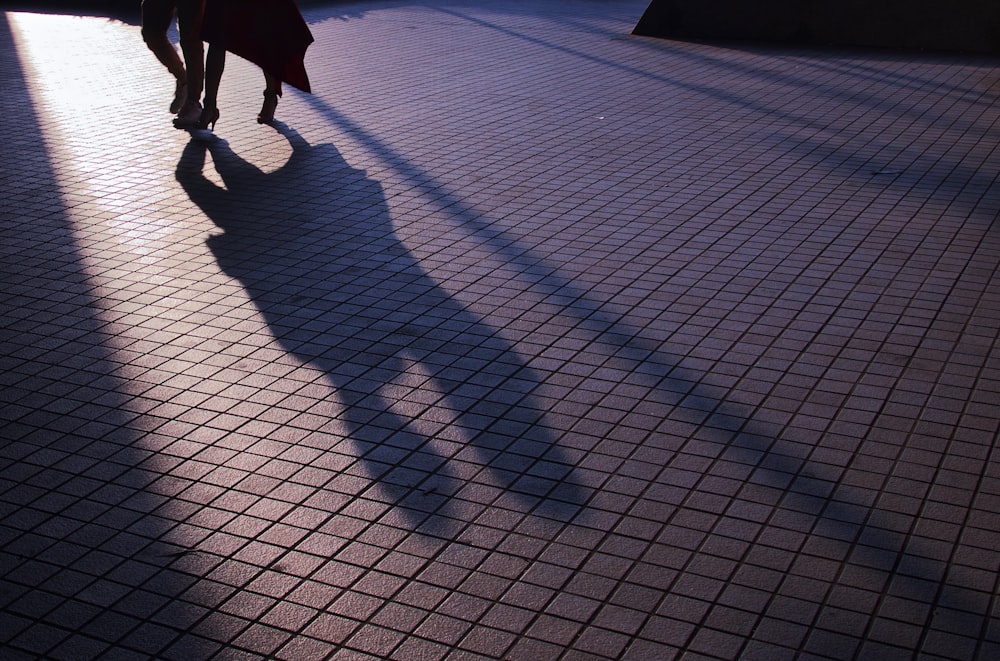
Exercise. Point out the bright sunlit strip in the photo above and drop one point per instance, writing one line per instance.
(89, 101)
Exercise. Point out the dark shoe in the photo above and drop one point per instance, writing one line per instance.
(180, 94)
(266, 114)
(209, 116)
(189, 117)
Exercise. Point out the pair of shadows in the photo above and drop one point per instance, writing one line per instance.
(432, 400)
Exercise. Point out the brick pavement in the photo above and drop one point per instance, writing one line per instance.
(522, 338)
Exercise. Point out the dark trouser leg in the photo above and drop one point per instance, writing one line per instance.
(156, 18)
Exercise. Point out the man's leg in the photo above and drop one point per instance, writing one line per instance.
(156, 18)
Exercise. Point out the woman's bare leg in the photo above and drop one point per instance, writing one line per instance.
(215, 65)
(272, 90)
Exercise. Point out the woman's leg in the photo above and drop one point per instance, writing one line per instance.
(272, 90)
(215, 65)
(272, 84)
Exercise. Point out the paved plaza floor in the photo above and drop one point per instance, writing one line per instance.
(521, 338)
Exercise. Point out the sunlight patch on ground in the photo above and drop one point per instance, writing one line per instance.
(77, 113)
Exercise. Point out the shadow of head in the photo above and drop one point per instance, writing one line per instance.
(436, 407)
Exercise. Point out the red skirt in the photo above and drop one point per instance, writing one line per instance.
(270, 33)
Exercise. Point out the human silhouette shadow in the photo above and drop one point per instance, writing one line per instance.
(435, 403)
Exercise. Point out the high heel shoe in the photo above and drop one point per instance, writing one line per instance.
(209, 116)
(266, 114)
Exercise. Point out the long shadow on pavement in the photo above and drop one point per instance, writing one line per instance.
(429, 396)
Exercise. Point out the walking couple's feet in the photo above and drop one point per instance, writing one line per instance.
(190, 114)
(193, 116)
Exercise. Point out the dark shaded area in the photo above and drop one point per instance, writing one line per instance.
(961, 25)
